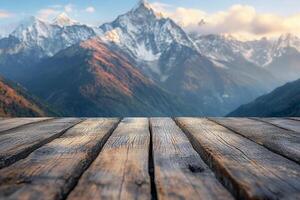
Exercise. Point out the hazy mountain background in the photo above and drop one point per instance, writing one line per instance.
(143, 64)
(282, 102)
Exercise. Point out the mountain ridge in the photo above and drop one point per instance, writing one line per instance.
(281, 102)
(124, 91)
(209, 75)
(16, 102)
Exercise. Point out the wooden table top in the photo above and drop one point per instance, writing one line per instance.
(150, 158)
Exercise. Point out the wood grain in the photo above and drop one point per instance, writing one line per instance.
(288, 124)
(17, 144)
(247, 169)
(12, 123)
(121, 169)
(281, 141)
(295, 118)
(180, 173)
(51, 171)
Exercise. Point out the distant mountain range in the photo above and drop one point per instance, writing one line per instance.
(143, 64)
(282, 102)
(91, 79)
(15, 101)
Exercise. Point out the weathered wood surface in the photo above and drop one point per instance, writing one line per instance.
(18, 143)
(100, 158)
(247, 169)
(288, 124)
(295, 118)
(9, 123)
(180, 173)
(51, 171)
(281, 141)
(121, 169)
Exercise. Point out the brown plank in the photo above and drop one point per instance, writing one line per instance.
(18, 143)
(12, 123)
(180, 173)
(51, 171)
(121, 169)
(246, 168)
(281, 141)
(288, 124)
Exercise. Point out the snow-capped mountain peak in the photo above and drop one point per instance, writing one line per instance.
(144, 9)
(143, 33)
(31, 28)
(49, 38)
(64, 20)
(287, 40)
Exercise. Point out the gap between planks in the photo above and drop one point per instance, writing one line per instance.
(247, 169)
(278, 140)
(53, 170)
(19, 143)
(7, 125)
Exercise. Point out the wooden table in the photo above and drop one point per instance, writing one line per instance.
(156, 158)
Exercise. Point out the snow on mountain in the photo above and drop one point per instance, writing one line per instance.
(32, 29)
(261, 51)
(64, 20)
(33, 40)
(219, 47)
(146, 35)
(51, 37)
(230, 49)
(285, 41)
(143, 33)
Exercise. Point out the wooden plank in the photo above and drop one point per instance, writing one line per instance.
(12, 123)
(18, 143)
(51, 171)
(281, 141)
(246, 168)
(288, 124)
(295, 118)
(180, 173)
(121, 169)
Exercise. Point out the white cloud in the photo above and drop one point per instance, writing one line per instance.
(47, 13)
(239, 20)
(69, 8)
(90, 9)
(53, 10)
(5, 14)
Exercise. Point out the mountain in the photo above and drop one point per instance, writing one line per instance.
(282, 102)
(213, 89)
(92, 79)
(145, 35)
(280, 57)
(227, 48)
(286, 58)
(184, 74)
(34, 40)
(64, 20)
(174, 60)
(16, 102)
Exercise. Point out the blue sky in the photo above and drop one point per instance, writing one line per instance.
(99, 11)
(108, 9)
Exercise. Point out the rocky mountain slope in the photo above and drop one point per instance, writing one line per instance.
(34, 40)
(165, 53)
(16, 102)
(91, 79)
(281, 57)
